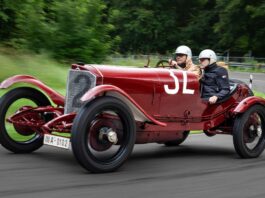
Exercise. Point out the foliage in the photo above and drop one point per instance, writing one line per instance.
(68, 29)
(89, 30)
(148, 26)
(241, 26)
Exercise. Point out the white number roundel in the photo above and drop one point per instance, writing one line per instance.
(176, 81)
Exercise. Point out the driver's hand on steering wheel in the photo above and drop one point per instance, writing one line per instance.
(171, 62)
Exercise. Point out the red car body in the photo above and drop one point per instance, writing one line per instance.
(165, 102)
(144, 88)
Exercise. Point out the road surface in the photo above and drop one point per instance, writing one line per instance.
(201, 167)
(258, 79)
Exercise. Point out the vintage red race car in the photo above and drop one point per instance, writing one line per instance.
(109, 109)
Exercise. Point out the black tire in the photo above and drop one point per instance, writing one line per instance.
(5, 102)
(82, 126)
(249, 128)
(178, 141)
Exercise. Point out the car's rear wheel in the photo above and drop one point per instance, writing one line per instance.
(178, 141)
(18, 138)
(103, 134)
(249, 132)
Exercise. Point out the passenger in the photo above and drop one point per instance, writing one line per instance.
(183, 61)
(223, 64)
(214, 82)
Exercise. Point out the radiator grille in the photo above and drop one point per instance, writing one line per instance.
(78, 83)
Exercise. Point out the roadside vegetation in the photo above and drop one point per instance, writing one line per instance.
(244, 69)
(89, 31)
(48, 70)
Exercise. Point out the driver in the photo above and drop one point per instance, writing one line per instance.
(214, 82)
(183, 61)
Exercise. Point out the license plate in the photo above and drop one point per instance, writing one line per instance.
(57, 141)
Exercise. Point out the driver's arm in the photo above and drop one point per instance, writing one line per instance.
(196, 70)
(172, 62)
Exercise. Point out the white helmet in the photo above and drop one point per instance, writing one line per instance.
(183, 49)
(210, 54)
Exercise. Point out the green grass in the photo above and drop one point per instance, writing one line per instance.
(260, 94)
(196, 132)
(242, 69)
(51, 72)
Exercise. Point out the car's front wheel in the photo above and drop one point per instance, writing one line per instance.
(249, 132)
(103, 134)
(20, 138)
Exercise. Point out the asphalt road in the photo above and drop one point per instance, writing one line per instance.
(201, 167)
(258, 79)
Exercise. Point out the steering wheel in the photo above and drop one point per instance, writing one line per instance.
(164, 64)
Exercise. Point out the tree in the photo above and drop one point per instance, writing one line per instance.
(241, 25)
(87, 30)
(69, 29)
(199, 33)
(150, 26)
(79, 31)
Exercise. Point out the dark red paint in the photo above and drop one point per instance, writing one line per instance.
(163, 116)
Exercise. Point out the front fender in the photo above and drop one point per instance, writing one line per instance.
(54, 96)
(110, 90)
(248, 102)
